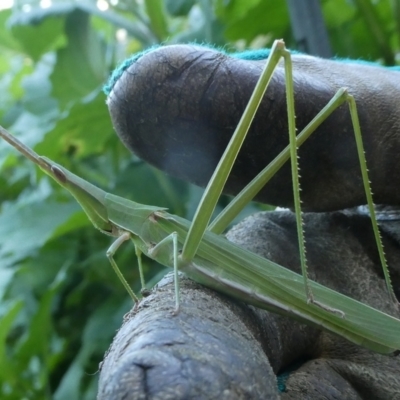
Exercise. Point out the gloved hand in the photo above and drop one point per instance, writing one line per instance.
(177, 107)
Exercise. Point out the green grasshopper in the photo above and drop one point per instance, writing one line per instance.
(210, 259)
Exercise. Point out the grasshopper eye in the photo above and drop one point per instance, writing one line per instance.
(59, 174)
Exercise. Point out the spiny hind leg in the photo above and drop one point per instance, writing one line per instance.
(293, 144)
(296, 185)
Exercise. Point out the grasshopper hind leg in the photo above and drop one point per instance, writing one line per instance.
(293, 143)
(296, 187)
(368, 194)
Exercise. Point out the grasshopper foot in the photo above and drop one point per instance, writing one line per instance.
(176, 311)
(332, 310)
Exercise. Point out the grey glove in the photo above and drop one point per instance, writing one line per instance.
(177, 107)
(218, 349)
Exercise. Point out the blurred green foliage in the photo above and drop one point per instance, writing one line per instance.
(60, 302)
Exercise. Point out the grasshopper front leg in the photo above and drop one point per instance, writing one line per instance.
(110, 255)
(162, 250)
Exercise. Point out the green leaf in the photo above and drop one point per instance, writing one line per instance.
(156, 13)
(7, 41)
(6, 276)
(36, 342)
(84, 131)
(136, 27)
(29, 223)
(38, 39)
(80, 67)
(246, 20)
(233, 10)
(179, 8)
(37, 88)
(99, 329)
(9, 312)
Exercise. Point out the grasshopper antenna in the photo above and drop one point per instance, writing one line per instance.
(25, 150)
